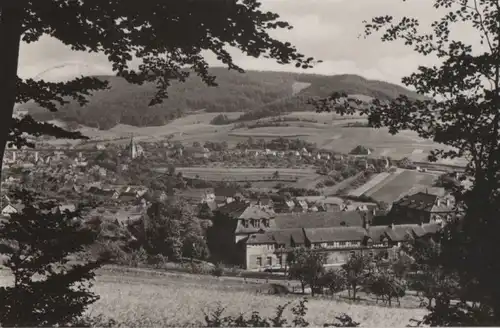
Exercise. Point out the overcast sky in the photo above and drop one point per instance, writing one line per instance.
(325, 29)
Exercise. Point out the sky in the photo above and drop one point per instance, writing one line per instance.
(324, 29)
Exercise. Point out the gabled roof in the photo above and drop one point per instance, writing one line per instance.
(377, 233)
(399, 232)
(318, 219)
(256, 212)
(261, 238)
(225, 191)
(243, 210)
(320, 235)
(281, 237)
(233, 208)
(419, 201)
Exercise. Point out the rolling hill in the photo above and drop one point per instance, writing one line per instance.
(256, 93)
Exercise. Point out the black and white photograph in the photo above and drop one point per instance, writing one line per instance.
(249, 163)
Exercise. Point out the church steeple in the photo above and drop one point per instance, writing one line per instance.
(133, 148)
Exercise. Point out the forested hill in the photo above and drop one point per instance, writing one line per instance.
(264, 93)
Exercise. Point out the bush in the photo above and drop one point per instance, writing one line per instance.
(215, 318)
(218, 271)
(220, 119)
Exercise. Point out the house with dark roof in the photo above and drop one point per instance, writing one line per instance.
(225, 195)
(271, 247)
(233, 223)
(417, 208)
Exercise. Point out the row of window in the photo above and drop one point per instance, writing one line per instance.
(269, 261)
(255, 223)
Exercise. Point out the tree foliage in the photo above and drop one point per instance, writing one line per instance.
(307, 266)
(462, 113)
(38, 243)
(357, 270)
(173, 230)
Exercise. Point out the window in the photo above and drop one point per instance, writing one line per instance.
(330, 244)
(269, 260)
(259, 261)
(245, 223)
(370, 254)
(266, 223)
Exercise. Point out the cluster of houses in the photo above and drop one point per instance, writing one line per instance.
(281, 204)
(257, 237)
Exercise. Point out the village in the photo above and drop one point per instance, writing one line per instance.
(252, 228)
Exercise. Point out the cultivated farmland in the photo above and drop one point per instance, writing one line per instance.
(244, 174)
(388, 188)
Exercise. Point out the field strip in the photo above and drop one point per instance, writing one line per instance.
(370, 184)
(268, 135)
(380, 185)
(245, 170)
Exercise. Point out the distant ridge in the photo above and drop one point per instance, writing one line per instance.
(265, 93)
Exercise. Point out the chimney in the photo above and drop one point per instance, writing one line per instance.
(36, 157)
(438, 202)
(80, 155)
(448, 202)
(426, 191)
(392, 225)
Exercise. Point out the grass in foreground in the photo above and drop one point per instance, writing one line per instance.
(173, 301)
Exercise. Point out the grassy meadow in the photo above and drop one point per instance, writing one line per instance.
(141, 298)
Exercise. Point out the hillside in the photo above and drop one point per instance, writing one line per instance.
(261, 93)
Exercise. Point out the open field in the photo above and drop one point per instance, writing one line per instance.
(370, 184)
(140, 299)
(243, 174)
(397, 185)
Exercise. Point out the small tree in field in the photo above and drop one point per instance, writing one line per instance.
(38, 244)
(307, 267)
(356, 271)
(385, 285)
(334, 280)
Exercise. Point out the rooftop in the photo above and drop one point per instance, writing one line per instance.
(318, 220)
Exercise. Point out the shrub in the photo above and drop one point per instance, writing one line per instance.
(218, 271)
(215, 318)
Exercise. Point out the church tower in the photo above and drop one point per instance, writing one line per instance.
(133, 148)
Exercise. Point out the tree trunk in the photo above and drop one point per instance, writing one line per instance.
(354, 292)
(10, 39)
